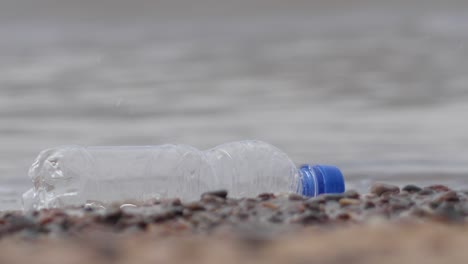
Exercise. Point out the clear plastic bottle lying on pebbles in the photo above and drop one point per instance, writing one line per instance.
(76, 175)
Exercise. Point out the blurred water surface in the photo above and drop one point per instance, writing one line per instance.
(377, 88)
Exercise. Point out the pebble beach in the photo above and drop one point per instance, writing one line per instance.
(377, 88)
(389, 225)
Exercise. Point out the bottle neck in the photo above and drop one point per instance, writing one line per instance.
(308, 182)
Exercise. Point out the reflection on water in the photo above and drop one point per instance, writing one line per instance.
(378, 91)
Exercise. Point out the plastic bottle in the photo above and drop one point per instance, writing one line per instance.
(76, 175)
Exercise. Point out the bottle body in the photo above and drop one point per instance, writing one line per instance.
(247, 168)
(76, 175)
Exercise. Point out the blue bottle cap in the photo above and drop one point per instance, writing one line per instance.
(320, 179)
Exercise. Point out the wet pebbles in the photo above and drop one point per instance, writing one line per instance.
(267, 212)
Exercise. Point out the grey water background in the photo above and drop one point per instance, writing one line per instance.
(378, 88)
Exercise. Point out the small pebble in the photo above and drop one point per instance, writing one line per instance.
(195, 206)
(426, 191)
(123, 206)
(439, 188)
(269, 205)
(332, 196)
(219, 193)
(343, 216)
(382, 188)
(212, 199)
(266, 196)
(449, 196)
(295, 197)
(348, 201)
(310, 218)
(352, 194)
(313, 204)
(411, 188)
(112, 216)
(369, 205)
